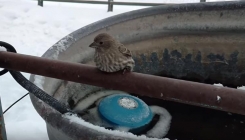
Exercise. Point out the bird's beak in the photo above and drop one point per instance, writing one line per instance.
(93, 45)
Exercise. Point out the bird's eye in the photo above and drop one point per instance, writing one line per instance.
(101, 43)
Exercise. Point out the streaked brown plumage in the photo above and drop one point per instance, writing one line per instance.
(111, 55)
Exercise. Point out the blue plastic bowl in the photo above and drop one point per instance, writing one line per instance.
(125, 111)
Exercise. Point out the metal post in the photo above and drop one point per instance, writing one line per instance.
(110, 5)
(40, 3)
(3, 135)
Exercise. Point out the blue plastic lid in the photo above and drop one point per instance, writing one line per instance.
(125, 110)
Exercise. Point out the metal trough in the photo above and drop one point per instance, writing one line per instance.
(201, 42)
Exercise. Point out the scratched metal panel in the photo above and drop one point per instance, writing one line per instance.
(201, 42)
(207, 57)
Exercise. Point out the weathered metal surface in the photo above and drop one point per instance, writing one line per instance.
(207, 57)
(190, 122)
(231, 100)
(187, 32)
(3, 135)
(110, 6)
(40, 3)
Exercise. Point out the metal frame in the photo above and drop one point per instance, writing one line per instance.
(110, 3)
(3, 135)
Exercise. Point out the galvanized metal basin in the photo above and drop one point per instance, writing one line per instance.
(202, 42)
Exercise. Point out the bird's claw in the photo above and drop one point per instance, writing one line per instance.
(124, 70)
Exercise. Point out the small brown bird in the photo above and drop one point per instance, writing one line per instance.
(111, 55)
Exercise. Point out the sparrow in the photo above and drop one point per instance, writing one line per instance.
(111, 55)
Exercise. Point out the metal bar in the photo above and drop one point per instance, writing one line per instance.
(139, 3)
(3, 135)
(202, 0)
(112, 2)
(204, 95)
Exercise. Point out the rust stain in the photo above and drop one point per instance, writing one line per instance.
(132, 82)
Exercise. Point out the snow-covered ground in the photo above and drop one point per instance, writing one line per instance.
(32, 30)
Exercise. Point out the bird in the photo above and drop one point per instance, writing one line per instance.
(111, 55)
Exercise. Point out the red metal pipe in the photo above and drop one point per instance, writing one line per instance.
(204, 95)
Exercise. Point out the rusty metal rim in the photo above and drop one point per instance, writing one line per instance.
(203, 95)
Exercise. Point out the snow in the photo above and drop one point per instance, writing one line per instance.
(2, 49)
(73, 118)
(219, 85)
(218, 98)
(92, 115)
(61, 46)
(128, 103)
(32, 30)
(89, 100)
(39, 81)
(242, 88)
(162, 126)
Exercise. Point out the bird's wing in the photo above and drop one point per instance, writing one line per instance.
(124, 50)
